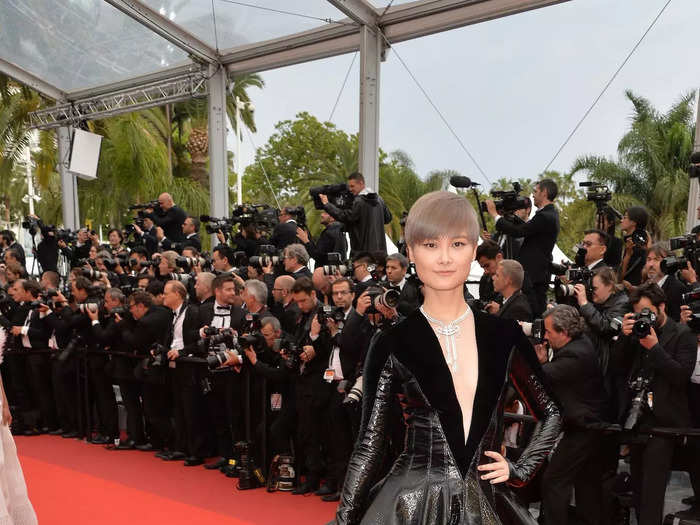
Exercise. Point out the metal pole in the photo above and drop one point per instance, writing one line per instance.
(694, 190)
(30, 182)
(370, 54)
(218, 176)
(69, 185)
(238, 164)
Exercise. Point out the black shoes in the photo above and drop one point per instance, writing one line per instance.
(170, 456)
(31, 432)
(331, 497)
(69, 435)
(221, 462)
(193, 461)
(55, 432)
(129, 444)
(325, 490)
(146, 447)
(99, 439)
(691, 513)
(304, 488)
(690, 500)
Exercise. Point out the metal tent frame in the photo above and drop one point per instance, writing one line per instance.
(367, 29)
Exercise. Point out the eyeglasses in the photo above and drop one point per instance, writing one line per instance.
(341, 292)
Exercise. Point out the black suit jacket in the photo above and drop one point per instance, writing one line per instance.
(671, 362)
(150, 241)
(410, 297)
(284, 234)
(332, 239)
(540, 235)
(354, 342)
(206, 315)
(674, 289)
(194, 241)
(302, 272)
(190, 330)
(577, 382)
(171, 222)
(37, 330)
(516, 307)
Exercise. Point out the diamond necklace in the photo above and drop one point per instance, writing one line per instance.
(450, 331)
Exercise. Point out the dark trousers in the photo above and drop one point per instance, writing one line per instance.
(66, 391)
(39, 376)
(694, 403)
(650, 468)
(537, 296)
(102, 394)
(220, 406)
(575, 464)
(131, 397)
(156, 407)
(310, 419)
(338, 436)
(17, 386)
(189, 412)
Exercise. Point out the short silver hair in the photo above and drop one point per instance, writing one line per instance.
(566, 319)
(401, 258)
(298, 252)
(513, 270)
(441, 214)
(257, 289)
(270, 320)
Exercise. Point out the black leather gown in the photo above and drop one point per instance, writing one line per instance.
(434, 480)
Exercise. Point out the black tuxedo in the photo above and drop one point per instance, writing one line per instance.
(354, 341)
(206, 315)
(331, 240)
(599, 264)
(287, 315)
(284, 234)
(516, 307)
(540, 235)
(171, 222)
(674, 289)
(301, 272)
(193, 240)
(410, 297)
(150, 241)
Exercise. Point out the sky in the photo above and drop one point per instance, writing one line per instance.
(512, 89)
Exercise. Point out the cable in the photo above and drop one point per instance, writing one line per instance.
(280, 11)
(607, 85)
(384, 12)
(442, 117)
(342, 88)
(216, 35)
(272, 190)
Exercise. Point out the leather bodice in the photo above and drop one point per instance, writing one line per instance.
(434, 480)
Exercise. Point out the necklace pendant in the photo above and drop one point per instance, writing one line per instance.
(450, 330)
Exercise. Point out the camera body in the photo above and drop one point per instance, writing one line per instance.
(335, 265)
(638, 237)
(691, 254)
(574, 275)
(338, 195)
(643, 323)
(508, 202)
(692, 299)
(383, 297)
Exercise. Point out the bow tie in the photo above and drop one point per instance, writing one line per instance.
(222, 309)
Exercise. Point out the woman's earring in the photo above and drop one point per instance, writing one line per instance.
(412, 268)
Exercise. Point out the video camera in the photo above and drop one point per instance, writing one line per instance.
(692, 299)
(691, 254)
(146, 205)
(338, 195)
(535, 329)
(573, 275)
(508, 202)
(215, 224)
(31, 224)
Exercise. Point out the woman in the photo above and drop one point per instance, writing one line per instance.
(449, 368)
(15, 507)
(115, 239)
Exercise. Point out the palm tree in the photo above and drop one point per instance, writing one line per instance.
(652, 164)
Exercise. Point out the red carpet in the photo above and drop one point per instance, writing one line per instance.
(71, 482)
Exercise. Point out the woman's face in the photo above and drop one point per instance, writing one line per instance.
(443, 264)
(93, 252)
(114, 239)
(601, 292)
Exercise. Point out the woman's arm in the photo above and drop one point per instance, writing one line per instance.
(6, 415)
(366, 460)
(528, 380)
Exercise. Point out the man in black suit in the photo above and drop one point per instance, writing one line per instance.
(362, 267)
(331, 240)
(672, 287)
(9, 243)
(190, 440)
(666, 357)
(508, 282)
(295, 260)
(285, 233)
(488, 255)
(282, 305)
(577, 382)
(150, 324)
(148, 235)
(396, 268)
(224, 400)
(222, 258)
(31, 332)
(169, 217)
(190, 231)
(595, 244)
(540, 235)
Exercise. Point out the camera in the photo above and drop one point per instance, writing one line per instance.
(187, 263)
(692, 299)
(299, 214)
(535, 329)
(574, 275)
(639, 387)
(291, 353)
(158, 356)
(335, 314)
(92, 307)
(353, 399)
(31, 224)
(93, 274)
(643, 322)
(673, 263)
(268, 254)
(184, 278)
(146, 205)
(508, 202)
(334, 265)
(380, 296)
(338, 195)
(639, 238)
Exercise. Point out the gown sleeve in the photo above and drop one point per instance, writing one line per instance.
(367, 458)
(529, 380)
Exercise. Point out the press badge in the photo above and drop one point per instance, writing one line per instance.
(276, 402)
(328, 375)
(650, 399)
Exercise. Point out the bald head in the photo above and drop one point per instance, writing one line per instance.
(321, 282)
(282, 289)
(166, 201)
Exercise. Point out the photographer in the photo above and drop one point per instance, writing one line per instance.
(331, 240)
(285, 233)
(108, 332)
(576, 380)
(310, 386)
(115, 247)
(659, 355)
(222, 259)
(489, 255)
(148, 234)
(190, 443)
(508, 282)
(366, 218)
(255, 296)
(46, 251)
(204, 293)
(633, 224)
(295, 260)
(672, 287)
(396, 268)
(613, 254)
(168, 217)
(80, 249)
(190, 231)
(595, 246)
(540, 235)
(362, 268)
(8, 242)
(284, 308)
(608, 302)
(222, 403)
(148, 326)
(246, 239)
